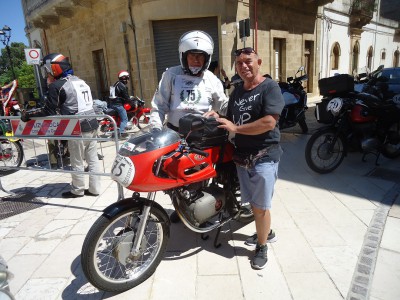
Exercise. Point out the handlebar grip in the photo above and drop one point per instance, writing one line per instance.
(200, 152)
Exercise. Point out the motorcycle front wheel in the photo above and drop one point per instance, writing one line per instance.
(322, 156)
(11, 153)
(391, 148)
(106, 256)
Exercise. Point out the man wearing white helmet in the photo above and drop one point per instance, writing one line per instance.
(190, 87)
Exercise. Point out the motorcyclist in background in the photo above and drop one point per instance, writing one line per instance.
(70, 95)
(118, 97)
(189, 87)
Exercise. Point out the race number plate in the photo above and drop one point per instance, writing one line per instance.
(335, 105)
(123, 170)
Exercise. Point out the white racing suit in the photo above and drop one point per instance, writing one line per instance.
(179, 94)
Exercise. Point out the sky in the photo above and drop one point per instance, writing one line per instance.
(11, 15)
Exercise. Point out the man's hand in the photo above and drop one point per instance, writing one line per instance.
(211, 114)
(226, 124)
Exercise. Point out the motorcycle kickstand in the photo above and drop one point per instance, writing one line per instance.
(205, 237)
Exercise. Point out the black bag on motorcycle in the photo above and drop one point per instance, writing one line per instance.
(204, 132)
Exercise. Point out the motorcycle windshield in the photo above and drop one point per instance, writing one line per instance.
(147, 140)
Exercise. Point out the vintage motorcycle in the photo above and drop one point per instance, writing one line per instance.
(127, 242)
(295, 98)
(11, 151)
(138, 115)
(358, 121)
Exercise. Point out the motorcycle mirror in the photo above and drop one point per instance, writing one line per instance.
(300, 69)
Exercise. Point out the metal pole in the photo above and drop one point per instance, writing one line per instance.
(11, 63)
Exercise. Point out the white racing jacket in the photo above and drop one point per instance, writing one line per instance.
(179, 94)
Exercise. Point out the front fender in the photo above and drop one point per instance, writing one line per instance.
(336, 132)
(128, 204)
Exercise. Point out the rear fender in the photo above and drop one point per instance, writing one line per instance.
(130, 203)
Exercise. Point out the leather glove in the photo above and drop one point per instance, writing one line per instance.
(25, 116)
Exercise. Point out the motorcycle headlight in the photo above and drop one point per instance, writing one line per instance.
(123, 170)
(334, 106)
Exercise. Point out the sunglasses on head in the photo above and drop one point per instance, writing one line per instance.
(247, 50)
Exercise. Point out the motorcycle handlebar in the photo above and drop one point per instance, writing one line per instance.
(200, 152)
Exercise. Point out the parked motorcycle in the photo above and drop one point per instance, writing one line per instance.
(11, 151)
(295, 98)
(127, 242)
(359, 121)
(137, 113)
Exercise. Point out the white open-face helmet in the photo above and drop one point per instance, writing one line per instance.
(195, 41)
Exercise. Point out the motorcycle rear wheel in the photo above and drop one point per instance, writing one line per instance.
(105, 251)
(321, 156)
(11, 153)
(391, 149)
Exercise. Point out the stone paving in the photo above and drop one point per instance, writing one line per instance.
(337, 238)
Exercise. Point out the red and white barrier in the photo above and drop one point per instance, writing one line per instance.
(43, 127)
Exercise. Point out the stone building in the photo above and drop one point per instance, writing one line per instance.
(102, 37)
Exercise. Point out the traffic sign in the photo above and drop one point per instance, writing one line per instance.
(32, 56)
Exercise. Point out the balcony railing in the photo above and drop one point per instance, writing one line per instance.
(361, 12)
(44, 13)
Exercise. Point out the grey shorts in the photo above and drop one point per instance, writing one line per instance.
(257, 183)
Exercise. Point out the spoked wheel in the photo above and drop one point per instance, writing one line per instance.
(322, 156)
(106, 130)
(11, 153)
(391, 148)
(107, 261)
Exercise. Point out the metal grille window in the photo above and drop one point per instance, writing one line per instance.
(166, 37)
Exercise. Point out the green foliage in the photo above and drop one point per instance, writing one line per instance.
(23, 71)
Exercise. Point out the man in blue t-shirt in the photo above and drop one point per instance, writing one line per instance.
(253, 112)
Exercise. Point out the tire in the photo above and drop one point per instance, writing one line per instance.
(11, 153)
(303, 124)
(109, 237)
(318, 154)
(391, 149)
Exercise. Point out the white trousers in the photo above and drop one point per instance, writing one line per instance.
(81, 150)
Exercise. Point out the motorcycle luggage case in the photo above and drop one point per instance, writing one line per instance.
(208, 134)
(342, 83)
(321, 114)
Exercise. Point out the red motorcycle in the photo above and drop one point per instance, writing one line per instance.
(138, 115)
(127, 242)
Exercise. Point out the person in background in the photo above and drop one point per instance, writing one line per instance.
(217, 71)
(118, 97)
(253, 111)
(70, 95)
(189, 87)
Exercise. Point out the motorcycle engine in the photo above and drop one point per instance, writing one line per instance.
(199, 204)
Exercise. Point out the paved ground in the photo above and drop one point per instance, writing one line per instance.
(337, 238)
